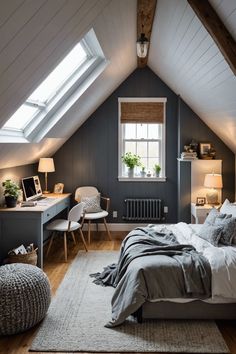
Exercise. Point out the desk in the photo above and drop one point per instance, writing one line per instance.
(26, 224)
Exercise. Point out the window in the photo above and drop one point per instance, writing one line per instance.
(61, 88)
(142, 132)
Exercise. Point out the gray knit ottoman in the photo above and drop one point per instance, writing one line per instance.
(24, 297)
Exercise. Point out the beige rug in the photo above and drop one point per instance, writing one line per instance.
(76, 318)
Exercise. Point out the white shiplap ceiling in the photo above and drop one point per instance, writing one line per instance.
(35, 35)
(187, 59)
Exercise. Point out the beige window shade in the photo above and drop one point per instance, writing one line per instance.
(142, 112)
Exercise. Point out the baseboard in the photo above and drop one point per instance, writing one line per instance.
(112, 227)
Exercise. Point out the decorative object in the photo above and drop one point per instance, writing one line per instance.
(200, 201)
(131, 160)
(24, 297)
(58, 188)
(213, 181)
(46, 164)
(206, 151)
(142, 45)
(11, 193)
(28, 258)
(78, 312)
(157, 169)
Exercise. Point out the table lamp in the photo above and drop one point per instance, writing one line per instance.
(46, 164)
(213, 181)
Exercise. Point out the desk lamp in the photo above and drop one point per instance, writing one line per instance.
(46, 164)
(212, 181)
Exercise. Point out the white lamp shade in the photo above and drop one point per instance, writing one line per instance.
(213, 180)
(46, 164)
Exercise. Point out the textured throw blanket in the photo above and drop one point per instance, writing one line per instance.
(153, 265)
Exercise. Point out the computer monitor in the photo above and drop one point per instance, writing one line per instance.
(31, 187)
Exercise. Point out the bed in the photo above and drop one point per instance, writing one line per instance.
(184, 275)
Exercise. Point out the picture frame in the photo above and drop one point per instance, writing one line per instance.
(58, 188)
(200, 201)
(204, 148)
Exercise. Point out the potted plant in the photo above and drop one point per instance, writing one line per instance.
(131, 160)
(143, 172)
(11, 193)
(157, 169)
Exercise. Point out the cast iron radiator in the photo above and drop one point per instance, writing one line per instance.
(143, 209)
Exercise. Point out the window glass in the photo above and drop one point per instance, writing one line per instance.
(153, 131)
(142, 149)
(21, 117)
(153, 149)
(141, 131)
(130, 131)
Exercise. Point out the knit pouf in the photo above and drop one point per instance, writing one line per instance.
(24, 297)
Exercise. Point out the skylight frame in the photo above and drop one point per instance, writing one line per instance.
(43, 120)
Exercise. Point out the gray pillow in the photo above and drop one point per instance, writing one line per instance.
(214, 215)
(211, 233)
(229, 230)
(92, 204)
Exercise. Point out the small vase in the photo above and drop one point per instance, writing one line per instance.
(10, 202)
(130, 172)
(142, 174)
(157, 174)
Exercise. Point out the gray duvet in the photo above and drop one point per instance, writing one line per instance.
(153, 265)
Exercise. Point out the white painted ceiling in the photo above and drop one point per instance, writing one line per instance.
(35, 35)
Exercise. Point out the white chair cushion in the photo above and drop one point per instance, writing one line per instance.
(62, 225)
(94, 216)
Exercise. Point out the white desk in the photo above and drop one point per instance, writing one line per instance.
(26, 224)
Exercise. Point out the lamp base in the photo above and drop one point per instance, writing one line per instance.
(46, 192)
(212, 197)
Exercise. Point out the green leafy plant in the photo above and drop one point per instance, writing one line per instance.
(143, 168)
(11, 189)
(157, 168)
(131, 160)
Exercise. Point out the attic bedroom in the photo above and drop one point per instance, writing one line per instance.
(117, 176)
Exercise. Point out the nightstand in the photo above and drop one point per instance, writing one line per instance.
(199, 213)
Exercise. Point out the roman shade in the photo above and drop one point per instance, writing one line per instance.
(142, 112)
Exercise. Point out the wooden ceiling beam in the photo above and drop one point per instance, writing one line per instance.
(145, 16)
(213, 24)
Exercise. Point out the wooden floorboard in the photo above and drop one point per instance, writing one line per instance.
(56, 268)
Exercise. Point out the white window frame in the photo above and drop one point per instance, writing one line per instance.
(65, 97)
(121, 140)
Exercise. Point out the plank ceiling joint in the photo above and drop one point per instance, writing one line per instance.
(145, 16)
(216, 28)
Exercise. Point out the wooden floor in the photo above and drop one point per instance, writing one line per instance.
(56, 268)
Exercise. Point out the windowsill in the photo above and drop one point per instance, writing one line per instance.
(141, 179)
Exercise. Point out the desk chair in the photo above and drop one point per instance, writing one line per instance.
(67, 226)
(88, 192)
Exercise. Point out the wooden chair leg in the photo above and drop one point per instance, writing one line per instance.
(83, 240)
(73, 236)
(108, 232)
(50, 243)
(65, 246)
(89, 224)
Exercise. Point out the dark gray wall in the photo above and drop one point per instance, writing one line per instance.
(90, 156)
(15, 174)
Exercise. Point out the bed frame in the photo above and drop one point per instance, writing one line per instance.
(189, 310)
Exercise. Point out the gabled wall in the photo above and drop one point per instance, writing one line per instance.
(90, 156)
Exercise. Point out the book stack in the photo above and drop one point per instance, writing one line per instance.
(188, 155)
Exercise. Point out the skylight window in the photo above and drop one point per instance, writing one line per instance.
(63, 85)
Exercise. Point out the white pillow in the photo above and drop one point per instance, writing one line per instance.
(228, 208)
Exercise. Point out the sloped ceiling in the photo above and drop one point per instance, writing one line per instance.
(186, 58)
(34, 35)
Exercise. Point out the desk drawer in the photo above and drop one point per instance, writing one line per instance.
(49, 214)
(64, 204)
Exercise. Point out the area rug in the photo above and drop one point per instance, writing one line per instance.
(76, 318)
